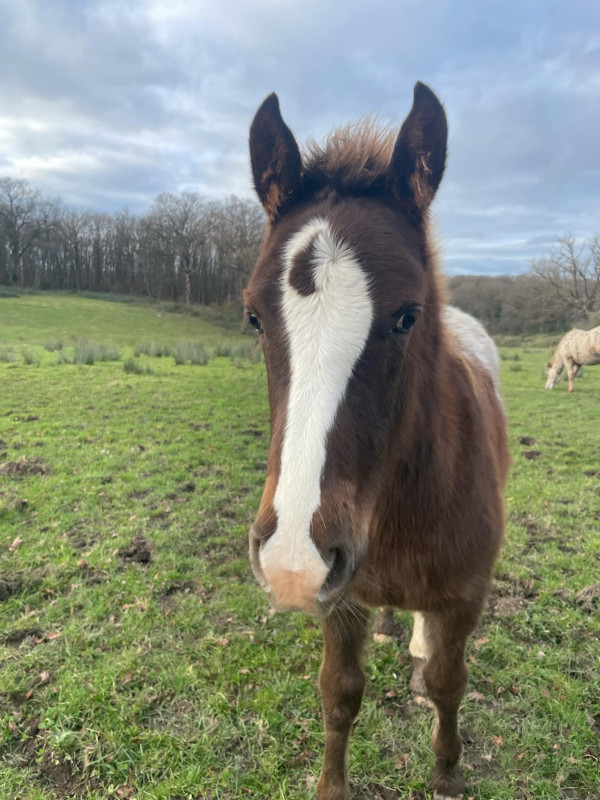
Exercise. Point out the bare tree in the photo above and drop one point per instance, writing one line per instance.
(572, 270)
(179, 223)
(19, 220)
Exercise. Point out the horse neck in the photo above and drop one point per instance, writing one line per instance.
(557, 359)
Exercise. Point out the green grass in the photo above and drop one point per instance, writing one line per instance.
(140, 660)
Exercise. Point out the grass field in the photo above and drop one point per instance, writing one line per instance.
(138, 659)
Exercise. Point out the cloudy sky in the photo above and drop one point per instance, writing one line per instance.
(106, 103)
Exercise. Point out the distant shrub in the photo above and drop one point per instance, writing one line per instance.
(29, 357)
(61, 358)
(508, 341)
(223, 350)
(8, 291)
(137, 368)
(8, 355)
(248, 351)
(193, 352)
(152, 349)
(88, 353)
(54, 344)
(516, 367)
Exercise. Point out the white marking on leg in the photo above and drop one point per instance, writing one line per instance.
(327, 332)
(418, 647)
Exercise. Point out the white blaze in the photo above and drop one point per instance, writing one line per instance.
(326, 331)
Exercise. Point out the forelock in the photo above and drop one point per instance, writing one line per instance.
(353, 157)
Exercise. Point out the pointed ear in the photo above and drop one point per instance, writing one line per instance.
(419, 156)
(275, 157)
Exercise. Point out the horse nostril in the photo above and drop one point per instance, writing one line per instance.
(337, 577)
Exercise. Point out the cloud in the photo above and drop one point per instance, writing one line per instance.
(109, 103)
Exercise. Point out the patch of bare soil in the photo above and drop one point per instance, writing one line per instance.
(24, 467)
(63, 776)
(252, 432)
(20, 634)
(527, 441)
(175, 587)
(532, 454)
(18, 582)
(589, 598)
(138, 552)
(80, 538)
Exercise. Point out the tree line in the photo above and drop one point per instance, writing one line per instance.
(560, 290)
(183, 247)
(200, 251)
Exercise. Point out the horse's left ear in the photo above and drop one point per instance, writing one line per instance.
(275, 157)
(419, 156)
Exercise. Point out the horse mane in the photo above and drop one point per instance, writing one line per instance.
(355, 156)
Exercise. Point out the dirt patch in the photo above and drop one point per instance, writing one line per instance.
(592, 473)
(20, 634)
(176, 587)
(138, 552)
(62, 775)
(24, 467)
(527, 441)
(81, 539)
(507, 606)
(532, 454)
(11, 585)
(589, 598)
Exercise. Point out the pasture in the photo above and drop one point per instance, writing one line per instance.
(139, 659)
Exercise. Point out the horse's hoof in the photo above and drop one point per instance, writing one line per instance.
(448, 784)
(384, 624)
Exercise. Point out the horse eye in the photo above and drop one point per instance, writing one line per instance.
(255, 322)
(405, 322)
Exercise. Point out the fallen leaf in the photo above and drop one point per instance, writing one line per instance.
(16, 543)
(476, 696)
(402, 760)
(498, 740)
(44, 677)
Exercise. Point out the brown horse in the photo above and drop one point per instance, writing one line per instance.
(388, 451)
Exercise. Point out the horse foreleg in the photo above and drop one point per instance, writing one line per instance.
(445, 675)
(572, 370)
(342, 682)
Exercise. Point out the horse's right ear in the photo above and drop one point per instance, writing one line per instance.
(275, 157)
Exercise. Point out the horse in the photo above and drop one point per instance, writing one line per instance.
(577, 348)
(388, 450)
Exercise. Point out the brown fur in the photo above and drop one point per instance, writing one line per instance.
(411, 492)
(354, 156)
